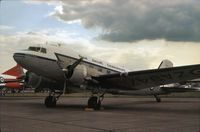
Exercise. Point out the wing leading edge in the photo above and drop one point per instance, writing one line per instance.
(149, 78)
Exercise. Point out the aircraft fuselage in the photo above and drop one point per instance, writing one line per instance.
(45, 63)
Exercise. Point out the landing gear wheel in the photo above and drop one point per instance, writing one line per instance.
(50, 101)
(94, 103)
(158, 99)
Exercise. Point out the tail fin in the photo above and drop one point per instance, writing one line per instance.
(165, 64)
(15, 71)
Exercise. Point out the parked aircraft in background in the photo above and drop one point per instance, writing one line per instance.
(16, 82)
(58, 68)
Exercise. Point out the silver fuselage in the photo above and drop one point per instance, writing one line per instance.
(45, 64)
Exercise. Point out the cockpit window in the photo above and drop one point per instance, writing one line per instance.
(38, 49)
(43, 50)
(34, 49)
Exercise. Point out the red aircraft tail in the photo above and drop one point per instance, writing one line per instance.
(16, 71)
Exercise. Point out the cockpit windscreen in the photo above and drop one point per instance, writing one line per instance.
(38, 49)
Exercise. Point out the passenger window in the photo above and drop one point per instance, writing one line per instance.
(100, 69)
(43, 50)
(91, 66)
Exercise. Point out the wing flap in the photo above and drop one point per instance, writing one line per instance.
(179, 89)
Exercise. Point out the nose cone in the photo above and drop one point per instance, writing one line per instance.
(19, 58)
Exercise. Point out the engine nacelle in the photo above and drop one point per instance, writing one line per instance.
(39, 82)
(79, 74)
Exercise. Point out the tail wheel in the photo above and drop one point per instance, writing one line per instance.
(158, 99)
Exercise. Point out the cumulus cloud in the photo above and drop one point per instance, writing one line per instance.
(5, 27)
(133, 20)
(134, 56)
(140, 30)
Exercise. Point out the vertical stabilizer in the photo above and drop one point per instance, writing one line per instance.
(165, 64)
(15, 71)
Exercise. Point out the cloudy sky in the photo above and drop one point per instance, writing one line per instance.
(137, 34)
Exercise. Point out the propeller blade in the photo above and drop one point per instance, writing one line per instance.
(65, 87)
(67, 69)
(75, 64)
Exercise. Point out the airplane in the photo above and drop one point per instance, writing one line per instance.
(13, 83)
(59, 67)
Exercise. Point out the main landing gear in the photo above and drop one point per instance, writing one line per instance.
(51, 100)
(94, 102)
(158, 99)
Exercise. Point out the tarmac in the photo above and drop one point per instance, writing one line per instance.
(28, 114)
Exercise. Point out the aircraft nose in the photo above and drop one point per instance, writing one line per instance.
(19, 57)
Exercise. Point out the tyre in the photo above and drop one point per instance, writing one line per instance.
(50, 101)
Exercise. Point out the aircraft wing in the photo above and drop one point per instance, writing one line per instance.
(149, 78)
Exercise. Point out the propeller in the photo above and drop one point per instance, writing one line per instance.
(24, 79)
(68, 71)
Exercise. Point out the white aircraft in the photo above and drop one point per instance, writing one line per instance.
(58, 67)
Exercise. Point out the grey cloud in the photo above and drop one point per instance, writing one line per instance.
(133, 20)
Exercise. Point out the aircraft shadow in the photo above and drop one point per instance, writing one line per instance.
(147, 106)
(141, 106)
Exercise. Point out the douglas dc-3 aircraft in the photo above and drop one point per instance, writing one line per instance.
(58, 68)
